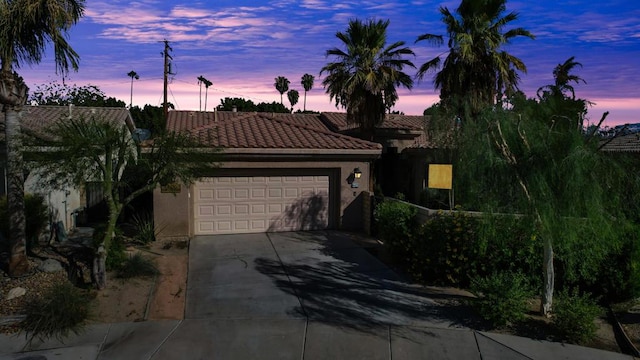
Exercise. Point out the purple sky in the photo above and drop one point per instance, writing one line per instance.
(242, 45)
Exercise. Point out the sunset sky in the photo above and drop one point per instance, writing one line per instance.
(242, 45)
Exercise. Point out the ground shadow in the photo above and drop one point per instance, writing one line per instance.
(308, 213)
(346, 287)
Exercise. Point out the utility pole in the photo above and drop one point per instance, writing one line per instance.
(167, 71)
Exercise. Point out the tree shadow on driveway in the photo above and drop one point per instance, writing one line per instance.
(346, 286)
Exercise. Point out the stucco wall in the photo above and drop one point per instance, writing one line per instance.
(173, 212)
(63, 204)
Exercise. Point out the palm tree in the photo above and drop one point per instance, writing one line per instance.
(364, 76)
(28, 27)
(282, 85)
(477, 72)
(293, 96)
(307, 84)
(562, 78)
(207, 83)
(133, 75)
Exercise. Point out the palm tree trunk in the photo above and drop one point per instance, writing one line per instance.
(206, 93)
(304, 106)
(13, 93)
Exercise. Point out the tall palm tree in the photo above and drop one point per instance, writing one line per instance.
(207, 83)
(562, 77)
(307, 84)
(28, 27)
(133, 75)
(477, 72)
(282, 85)
(293, 96)
(364, 76)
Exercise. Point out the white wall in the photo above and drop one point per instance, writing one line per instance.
(61, 203)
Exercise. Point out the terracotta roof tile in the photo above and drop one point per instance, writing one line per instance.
(262, 131)
(338, 121)
(624, 143)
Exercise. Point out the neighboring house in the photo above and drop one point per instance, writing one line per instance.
(624, 143)
(278, 172)
(66, 204)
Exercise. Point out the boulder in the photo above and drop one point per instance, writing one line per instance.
(50, 266)
(16, 293)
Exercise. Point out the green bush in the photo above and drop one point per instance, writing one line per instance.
(136, 266)
(501, 297)
(60, 310)
(396, 222)
(574, 316)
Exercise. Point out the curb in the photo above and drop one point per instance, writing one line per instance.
(622, 339)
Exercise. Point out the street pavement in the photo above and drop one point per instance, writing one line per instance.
(299, 295)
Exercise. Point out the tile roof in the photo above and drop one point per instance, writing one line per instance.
(180, 120)
(624, 143)
(338, 121)
(267, 131)
(38, 117)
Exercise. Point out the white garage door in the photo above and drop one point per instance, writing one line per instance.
(249, 204)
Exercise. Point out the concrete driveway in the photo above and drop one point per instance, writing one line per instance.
(320, 276)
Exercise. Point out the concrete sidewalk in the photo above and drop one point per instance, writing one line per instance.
(288, 339)
(300, 295)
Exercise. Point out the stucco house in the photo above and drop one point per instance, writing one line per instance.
(276, 173)
(65, 204)
(280, 172)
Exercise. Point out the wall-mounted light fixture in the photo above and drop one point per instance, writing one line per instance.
(357, 174)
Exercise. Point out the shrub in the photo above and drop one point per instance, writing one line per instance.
(574, 316)
(61, 309)
(137, 266)
(146, 231)
(502, 297)
(396, 224)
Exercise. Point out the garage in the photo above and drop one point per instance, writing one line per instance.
(249, 204)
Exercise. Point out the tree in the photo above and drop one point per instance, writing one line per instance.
(477, 72)
(293, 96)
(149, 117)
(364, 76)
(202, 80)
(307, 84)
(531, 161)
(28, 28)
(240, 104)
(93, 149)
(58, 94)
(282, 85)
(133, 75)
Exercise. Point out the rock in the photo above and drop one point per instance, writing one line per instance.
(16, 293)
(50, 266)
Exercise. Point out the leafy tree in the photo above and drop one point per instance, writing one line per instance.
(149, 117)
(85, 149)
(477, 71)
(530, 161)
(58, 94)
(28, 28)
(364, 76)
(227, 104)
(282, 85)
(293, 96)
(272, 107)
(307, 84)
(133, 75)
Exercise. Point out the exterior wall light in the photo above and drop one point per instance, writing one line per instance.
(357, 173)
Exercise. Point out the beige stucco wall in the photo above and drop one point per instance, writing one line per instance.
(173, 212)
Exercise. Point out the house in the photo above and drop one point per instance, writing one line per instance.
(276, 173)
(65, 204)
(281, 172)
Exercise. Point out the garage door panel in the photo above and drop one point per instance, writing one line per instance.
(261, 203)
